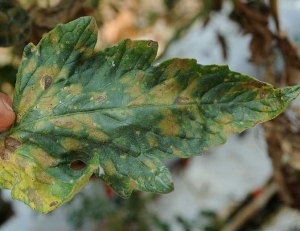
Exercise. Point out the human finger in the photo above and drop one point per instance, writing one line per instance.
(7, 115)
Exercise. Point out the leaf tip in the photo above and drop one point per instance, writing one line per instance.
(290, 93)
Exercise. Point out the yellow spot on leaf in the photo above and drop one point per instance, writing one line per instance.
(30, 66)
(43, 158)
(168, 125)
(54, 39)
(225, 118)
(132, 184)
(70, 144)
(176, 151)
(74, 89)
(110, 168)
(92, 131)
(153, 142)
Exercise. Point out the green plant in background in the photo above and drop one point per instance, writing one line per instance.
(114, 213)
(15, 23)
(8, 75)
(118, 114)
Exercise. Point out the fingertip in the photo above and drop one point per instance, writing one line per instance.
(6, 99)
(7, 115)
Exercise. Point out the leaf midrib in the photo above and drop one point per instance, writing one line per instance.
(127, 108)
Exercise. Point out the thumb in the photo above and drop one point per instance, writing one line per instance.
(7, 116)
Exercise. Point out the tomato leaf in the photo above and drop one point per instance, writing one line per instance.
(118, 114)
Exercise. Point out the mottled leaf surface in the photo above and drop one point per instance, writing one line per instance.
(119, 114)
(15, 24)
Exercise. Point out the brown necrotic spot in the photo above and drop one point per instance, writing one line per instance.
(181, 100)
(100, 98)
(258, 84)
(11, 144)
(53, 203)
(46, 81)
(3, 155)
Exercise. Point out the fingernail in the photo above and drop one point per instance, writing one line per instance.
(6, 105)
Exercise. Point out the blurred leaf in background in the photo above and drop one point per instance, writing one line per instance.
(8, 79)
(15, 24)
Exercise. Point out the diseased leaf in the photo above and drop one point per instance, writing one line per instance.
(15, 24)
(118, 114)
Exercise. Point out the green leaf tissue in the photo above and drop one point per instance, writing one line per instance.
(119, 114)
